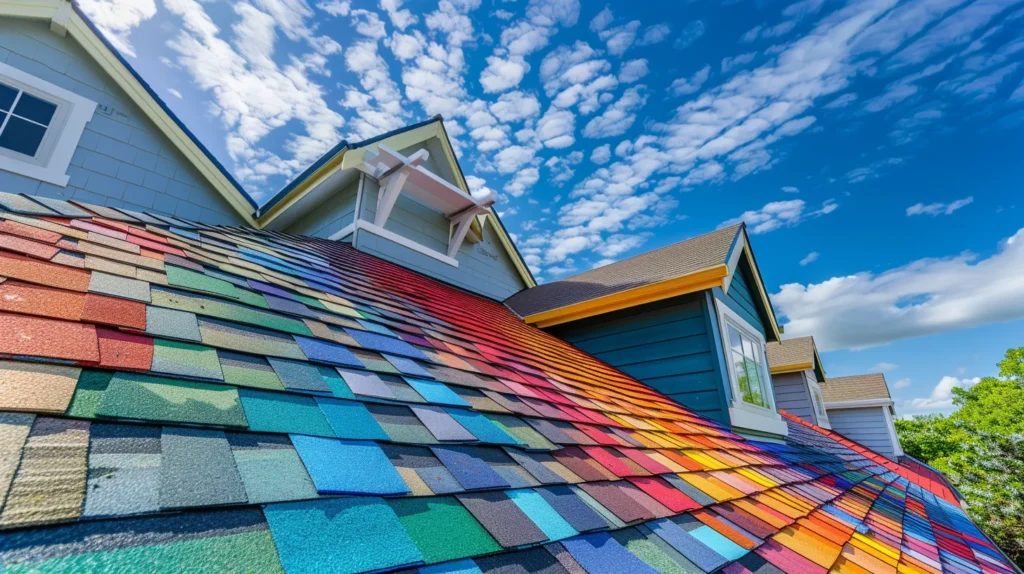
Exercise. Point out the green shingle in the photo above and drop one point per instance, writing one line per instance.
(284, 413)
(248, 371)
(188, 279)
(254, 299)
(186, 360)
(460, 536)
(134, 396)
(88, 392)
(213, 307)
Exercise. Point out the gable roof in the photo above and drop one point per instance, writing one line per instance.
(792, 355)
(855, 388)
(228, 399)
(66, 18)
(696, 264)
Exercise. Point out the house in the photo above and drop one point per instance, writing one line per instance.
(797, 373)
(860, 408)
(690, 320)
(266, 390)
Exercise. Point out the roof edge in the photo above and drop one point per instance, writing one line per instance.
(668, 288)
(96, 45)
(766, 304)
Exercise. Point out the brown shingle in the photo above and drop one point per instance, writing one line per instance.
(790, 352)
(855, 388)
(676, 260)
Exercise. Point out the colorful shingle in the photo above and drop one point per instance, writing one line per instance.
(201, 398)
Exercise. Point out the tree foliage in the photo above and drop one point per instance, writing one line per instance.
(980, 449)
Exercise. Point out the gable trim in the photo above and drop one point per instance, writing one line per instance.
(690, 283)
(795, 368)
(139, 92)
(741, 249)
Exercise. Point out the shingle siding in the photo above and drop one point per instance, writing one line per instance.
(867, 426)
(122, 158)
(793, 396)
(667, 345)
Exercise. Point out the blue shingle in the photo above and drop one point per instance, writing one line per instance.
(383, 344)
(468, 467)
(348, 467)
(351, 420)
(436, 392)
(600, 553)
(329, 353)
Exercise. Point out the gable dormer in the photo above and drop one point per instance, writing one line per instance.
(402, 197)
(797, 375)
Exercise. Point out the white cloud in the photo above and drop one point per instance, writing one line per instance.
(884, 367)
(632, 71)
(618, 244)
(779, 214)
(117, 18)
(507, 66)
(561, 167)
(941, 397)
(620, 38)
(556, 129)
(336, 7)
(602, 20)
(401, 18)
(736, 61)
(901, 384)
(523, 180)
(515, 106)
(174, 93)
(619, 116)
(939, 208)
(810, 258)
(683, 86)
(655, 34)
(690, 34)
(842, 101)
(512, 158)
(790, 189)
(601, 154)
(924, 297)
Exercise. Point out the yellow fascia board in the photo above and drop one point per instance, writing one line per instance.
(96, 49)
(691, 283)
(329, 168)
(795, 368)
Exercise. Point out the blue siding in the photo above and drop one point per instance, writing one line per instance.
(667, 345)
(742, 296)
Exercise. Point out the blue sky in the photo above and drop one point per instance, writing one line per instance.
(872, 146)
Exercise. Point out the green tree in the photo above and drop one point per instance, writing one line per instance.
(980, 449)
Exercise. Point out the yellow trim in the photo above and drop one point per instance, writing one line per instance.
(94, 46)
(329, 168)
(796, 368)
(699, 281)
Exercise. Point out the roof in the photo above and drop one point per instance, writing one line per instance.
(798, 354)
(225, 399)
(855, 388)
(694, 255)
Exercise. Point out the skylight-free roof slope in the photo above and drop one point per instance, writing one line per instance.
(216, 431)
(855, 388)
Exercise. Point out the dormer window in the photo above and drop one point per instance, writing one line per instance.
(399, 174)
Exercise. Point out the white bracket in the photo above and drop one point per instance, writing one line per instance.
(59, 21)
(395, 178)
(459, 227)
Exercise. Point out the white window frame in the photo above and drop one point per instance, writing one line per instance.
(51, 161)
(742, 413)
(818, 403)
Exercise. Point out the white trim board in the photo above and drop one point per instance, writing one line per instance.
(362, 224)
(859, 404)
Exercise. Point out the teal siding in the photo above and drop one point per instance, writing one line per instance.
(741, 297)
(667, 345)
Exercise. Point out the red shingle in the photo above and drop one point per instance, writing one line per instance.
(35, 337)
(26, 246)
(112, 311)
(34, 271)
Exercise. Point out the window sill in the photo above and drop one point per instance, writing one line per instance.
(759, 419)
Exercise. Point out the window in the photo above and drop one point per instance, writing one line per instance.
(24, 119)
(747, 357)
(819, 405)
(40, 125)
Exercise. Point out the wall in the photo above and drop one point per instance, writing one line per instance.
(793, 396)
(867, 426)
(484, 267)
(122, 159)
(667, 345)
(741, 296)
(329, 217)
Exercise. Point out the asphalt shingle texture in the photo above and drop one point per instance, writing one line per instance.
(194, 398)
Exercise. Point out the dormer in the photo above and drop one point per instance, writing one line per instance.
(402, 196)
(797, 375)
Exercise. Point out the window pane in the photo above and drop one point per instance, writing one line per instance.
(748, 348)
(756, 396)
(33, 108)
(739, 367)
(22, 136)
(735, 340)
(7, 95)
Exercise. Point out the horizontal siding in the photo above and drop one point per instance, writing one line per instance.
(666, 345)
(740, 297)
(792, 395)
(866, 426)
(331, 216)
